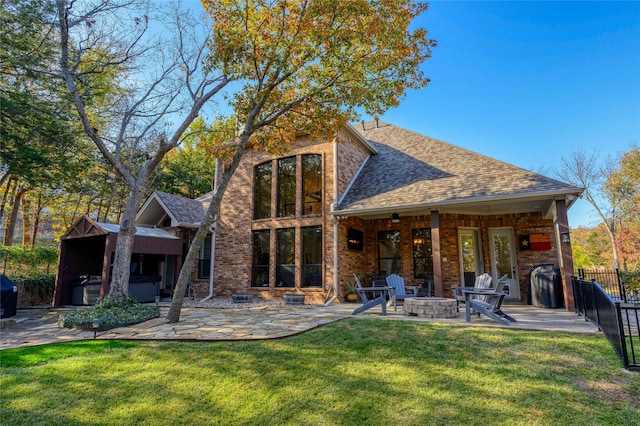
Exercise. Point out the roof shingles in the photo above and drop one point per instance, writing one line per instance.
(412, 169)
(184, 210)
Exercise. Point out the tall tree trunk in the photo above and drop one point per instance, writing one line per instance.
(26, 221)
(36, 221)
(99, 215)
(7, 191)
(36, 225)
(119, 289)
(10, 229)
(194, 249)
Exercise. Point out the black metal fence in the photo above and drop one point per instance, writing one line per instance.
(618, 323)
(612, 282)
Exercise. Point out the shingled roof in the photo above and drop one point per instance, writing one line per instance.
(183, 210)
(415, 171)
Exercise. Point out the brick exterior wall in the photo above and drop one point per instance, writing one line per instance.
(234, 245)
(365, 263)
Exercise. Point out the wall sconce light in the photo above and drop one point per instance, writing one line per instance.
(95, 324)
(395, 218)
(565, 237)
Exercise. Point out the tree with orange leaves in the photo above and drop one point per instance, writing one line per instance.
(305, 66)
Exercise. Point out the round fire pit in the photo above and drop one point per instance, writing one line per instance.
(431, 307)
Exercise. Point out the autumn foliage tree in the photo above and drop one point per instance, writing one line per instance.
(307, 67)
(612, 187)
(622, 186)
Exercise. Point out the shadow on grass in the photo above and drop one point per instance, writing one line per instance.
(34, 355)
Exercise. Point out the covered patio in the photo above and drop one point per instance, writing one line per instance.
(86, 257)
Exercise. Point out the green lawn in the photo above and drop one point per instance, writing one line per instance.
(373, 372)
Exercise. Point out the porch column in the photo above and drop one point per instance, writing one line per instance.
(437, 258)
(566, 256)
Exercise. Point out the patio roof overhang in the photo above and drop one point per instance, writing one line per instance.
(542, 202)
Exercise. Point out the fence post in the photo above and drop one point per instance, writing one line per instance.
(623, 293)
(623, 341)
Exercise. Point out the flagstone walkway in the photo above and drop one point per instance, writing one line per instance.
(39, 326)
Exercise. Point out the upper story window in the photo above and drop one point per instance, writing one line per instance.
(311, 184)
(262, 191)
(298, 194)
(287, 187)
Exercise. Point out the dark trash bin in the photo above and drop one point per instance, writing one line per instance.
(545, 286)
(8, 297)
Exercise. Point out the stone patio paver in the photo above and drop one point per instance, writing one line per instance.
(39, 326)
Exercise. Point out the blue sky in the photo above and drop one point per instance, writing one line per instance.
(529, 82)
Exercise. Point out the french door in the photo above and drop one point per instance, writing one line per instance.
(470, 255)
(503, 259)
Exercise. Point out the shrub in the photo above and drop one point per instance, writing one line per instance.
(110, 314)
(38, 288)
(20, 261)
(631, 282)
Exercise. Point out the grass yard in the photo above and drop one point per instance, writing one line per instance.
(353, 372)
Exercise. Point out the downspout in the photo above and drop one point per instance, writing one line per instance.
(213, 236)
(335, 224)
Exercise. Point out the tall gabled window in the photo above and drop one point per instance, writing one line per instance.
(262, 191)
(312, 256)
(261, 257)
(286, 258)
(287, 187)
(311, 184)
(389, 252)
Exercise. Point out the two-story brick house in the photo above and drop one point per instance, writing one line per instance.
(374, 200)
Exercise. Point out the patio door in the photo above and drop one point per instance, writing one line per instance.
(503, 259)
(470, 255)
